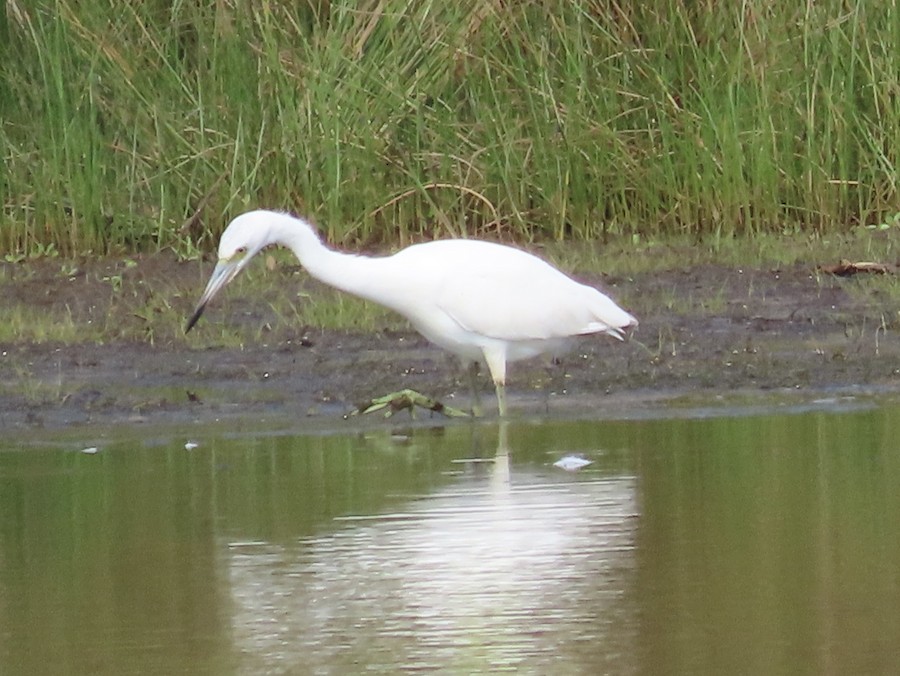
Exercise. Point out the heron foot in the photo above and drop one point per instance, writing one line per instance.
(406, 399)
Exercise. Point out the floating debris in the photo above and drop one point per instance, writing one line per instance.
(191, 445)
(90, 450)
(572, 463)
(847, 268)
(406, 399)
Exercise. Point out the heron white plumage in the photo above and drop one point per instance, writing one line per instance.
(481, 301)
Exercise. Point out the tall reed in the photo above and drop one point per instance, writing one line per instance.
(146, 125)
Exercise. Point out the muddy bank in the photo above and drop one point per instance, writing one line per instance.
(704, 332)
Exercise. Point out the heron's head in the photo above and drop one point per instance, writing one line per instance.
(244, 237)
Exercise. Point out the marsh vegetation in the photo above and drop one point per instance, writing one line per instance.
(147, 125)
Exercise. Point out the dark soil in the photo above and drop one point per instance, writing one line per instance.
(705, 332)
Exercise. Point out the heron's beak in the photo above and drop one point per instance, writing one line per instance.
(223, 273)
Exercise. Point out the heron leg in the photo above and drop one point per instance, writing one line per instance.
(496, 361)
(501, 398)
(477, 410)
(555, 381)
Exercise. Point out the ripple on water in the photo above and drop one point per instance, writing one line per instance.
(502, 574)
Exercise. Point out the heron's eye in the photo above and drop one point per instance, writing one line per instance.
(241, 251)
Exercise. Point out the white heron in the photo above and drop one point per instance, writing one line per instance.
(484, 302)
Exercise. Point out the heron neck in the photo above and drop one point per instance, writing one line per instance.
(347, 272)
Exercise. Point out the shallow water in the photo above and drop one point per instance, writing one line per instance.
(701, 544)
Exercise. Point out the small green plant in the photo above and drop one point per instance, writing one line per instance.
(68, 269)
(115, 281)
(890, 221)
(38, 250)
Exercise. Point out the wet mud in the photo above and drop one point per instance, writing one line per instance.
(706, 333)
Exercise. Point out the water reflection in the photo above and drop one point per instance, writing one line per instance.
(754, 544)
(499, 569)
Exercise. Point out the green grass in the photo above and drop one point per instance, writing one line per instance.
(148, 125)
(627, 257)
(21, 323)
(275, 301)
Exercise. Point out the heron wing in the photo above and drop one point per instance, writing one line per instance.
(523, 298)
